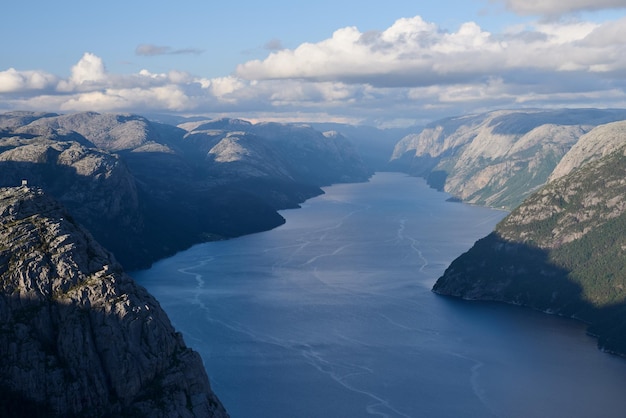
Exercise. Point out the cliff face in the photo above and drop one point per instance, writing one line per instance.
(498, 158)
(78, 336)
(562, 250)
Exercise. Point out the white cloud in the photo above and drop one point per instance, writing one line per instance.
(170, 97)
(412, 70)
(12, 80)
(87, 72)
(223, 86)
(560, 7)
(414, 53)
(90, 68)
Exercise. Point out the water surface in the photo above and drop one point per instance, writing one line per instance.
(331, 315)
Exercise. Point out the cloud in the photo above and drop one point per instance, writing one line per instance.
(90, 68)
(560, 7)
(414, 53)
(149, 50)
(413, 71)
(12, 80)
(274, 45)
(169, 97)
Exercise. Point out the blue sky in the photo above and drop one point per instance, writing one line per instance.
(384, 63)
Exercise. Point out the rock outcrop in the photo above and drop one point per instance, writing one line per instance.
(94, 185)
(78, 336)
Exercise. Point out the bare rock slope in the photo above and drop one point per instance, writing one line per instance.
(497, 158)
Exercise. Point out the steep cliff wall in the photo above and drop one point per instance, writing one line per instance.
(78, 337)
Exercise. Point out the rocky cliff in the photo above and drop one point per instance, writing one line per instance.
(78, 336)
(497, 158)
(562, 250)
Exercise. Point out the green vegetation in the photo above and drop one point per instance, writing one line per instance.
(598, 263)
(563, 250)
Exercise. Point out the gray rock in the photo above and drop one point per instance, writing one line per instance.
(78, 335)
(599, 142)
(497, 158)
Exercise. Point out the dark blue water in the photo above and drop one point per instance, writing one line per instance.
(331, 315)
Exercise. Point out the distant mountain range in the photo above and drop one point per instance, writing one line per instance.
(562, 250)
(147, 190)
(497, 158)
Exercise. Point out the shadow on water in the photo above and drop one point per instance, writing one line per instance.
(496, 269)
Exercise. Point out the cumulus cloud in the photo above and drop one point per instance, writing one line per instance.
(88, 72)
(413, 53)
(149, 50)
(413, 71)
(12, 80)
(169, 97)
(560, 7)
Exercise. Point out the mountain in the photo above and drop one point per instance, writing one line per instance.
(497, 158)
(95, 185)
(147, 190)
(374, 145)
(299, 152)
(78, 336)
(563, 249)
(111, 132)
(599, 142)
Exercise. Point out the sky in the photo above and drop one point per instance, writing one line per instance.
(387, 64)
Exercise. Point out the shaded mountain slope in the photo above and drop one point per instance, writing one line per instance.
(563, 251)
(299, 152)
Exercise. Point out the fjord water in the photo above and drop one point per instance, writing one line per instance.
(331, 315)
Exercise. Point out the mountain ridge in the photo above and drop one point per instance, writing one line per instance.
(171, 188)
(497, 158)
